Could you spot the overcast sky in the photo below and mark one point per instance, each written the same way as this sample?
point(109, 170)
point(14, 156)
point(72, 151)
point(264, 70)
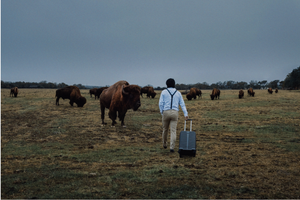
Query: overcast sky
point(99, 42)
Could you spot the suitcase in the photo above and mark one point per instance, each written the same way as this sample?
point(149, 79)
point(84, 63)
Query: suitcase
point(187, 142)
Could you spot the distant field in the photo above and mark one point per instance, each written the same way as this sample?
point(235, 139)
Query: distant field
point(246, 148)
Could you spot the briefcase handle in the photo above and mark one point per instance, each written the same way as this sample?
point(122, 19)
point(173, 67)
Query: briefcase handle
point(190, 124)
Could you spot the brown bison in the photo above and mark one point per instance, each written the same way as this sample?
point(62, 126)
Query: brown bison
point(215, 94)
point(99, 91)
point(270, 91)
point(250, 92)
point(241, 94)
point(192, 94)
point(72, 93)
point(93, 92)
point(198, 93)
point(14, 92)
point(149, 91)
point(276, 90)
point(119, 98)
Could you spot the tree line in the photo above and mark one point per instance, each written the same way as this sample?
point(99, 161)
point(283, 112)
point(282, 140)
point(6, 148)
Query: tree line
point(292, 81)
point(42, 84)
point(233, 85)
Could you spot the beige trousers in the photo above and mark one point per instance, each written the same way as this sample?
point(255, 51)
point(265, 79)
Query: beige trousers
point(169, 118)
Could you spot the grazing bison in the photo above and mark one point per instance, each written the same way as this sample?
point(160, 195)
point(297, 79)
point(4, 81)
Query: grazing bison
point(270, 90)
point(14, 92)
point(99, 91)
point(119, 98)
point(250, 92)
point(72, 93)
point(93, 91)
point(192, 94)
point(276, 90)
point(215, 94)
point(198, 93)
point(149, 91)
point(241, 94)
point(189, 96)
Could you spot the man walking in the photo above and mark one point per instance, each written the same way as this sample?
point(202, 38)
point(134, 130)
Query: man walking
point(169, 102)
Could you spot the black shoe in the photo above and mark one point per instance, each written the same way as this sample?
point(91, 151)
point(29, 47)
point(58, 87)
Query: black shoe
point(172, 150)
point(165, 147)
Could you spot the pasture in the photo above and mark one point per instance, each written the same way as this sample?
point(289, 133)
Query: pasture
point(246, 148)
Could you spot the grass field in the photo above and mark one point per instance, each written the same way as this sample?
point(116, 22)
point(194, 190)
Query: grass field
point(246, 148)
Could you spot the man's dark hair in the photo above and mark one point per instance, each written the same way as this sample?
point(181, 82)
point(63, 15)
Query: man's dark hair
point(170, 83)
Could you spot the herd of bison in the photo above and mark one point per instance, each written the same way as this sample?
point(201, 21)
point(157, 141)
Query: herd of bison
point(122, 96)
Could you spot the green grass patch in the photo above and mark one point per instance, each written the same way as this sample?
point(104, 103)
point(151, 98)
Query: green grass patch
point(45, 182)
point(25, 149)
point(283, 136)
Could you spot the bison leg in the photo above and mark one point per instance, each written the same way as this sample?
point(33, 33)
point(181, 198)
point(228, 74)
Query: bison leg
point(112, 115)
point(71, 103)
point(57, 101)
point(122, 117)
point(102, 113)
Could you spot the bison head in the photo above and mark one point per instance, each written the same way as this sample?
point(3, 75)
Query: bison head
point(189, 96)
point(212, 97)
point(131, 95)
point(153, 95)
point(80, 101)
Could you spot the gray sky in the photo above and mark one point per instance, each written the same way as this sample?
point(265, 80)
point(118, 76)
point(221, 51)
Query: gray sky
point(99, 42)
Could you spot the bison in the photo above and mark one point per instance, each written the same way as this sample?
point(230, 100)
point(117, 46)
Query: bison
point(99, 91)
point(250, 92)
point(149, 91)
point(72, 93)
point(14, 92)
point(198, 93)
point(93, 92)
point(241, 94)
point(192, 94)
point(215, 94)
point(276, 90)
point(270, 91)
point(119, 98)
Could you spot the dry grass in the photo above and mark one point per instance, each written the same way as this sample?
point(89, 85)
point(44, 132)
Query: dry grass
point(246, 148)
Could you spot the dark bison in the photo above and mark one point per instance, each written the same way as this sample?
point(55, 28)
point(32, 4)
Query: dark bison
point(192, 94)
point(14, 92)
point(149, 91)
point(276, 90)
point(241, 94)
point(119, 98)
point(72, 93)
point(250, 92)
point(215, 94)
point(270, 90)
point(93, 92)
point(99, 91)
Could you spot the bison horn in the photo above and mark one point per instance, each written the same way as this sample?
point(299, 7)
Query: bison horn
point(123, 91)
